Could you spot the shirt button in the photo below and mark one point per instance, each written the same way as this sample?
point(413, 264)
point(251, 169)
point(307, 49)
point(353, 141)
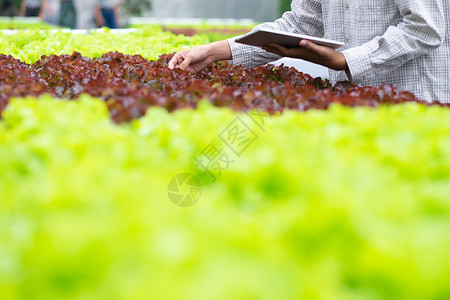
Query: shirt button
point(347, 38)
point(347, 6)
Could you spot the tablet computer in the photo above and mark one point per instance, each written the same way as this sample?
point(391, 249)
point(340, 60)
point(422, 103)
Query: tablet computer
point(263, 37)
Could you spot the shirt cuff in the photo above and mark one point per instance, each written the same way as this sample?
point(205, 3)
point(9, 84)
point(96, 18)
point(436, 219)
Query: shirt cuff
point(237, 57)
point(359, 63)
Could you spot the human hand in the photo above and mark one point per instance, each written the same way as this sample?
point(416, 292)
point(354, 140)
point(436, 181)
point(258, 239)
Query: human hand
point(311, 52)
point(192, 60)
point(196, 59)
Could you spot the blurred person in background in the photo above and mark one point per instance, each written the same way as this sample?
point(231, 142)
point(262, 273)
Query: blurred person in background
point(86, 14)
point(33, 8)
point(51, 12)
point(7, 8)
point(67, 14)
point(107, 13)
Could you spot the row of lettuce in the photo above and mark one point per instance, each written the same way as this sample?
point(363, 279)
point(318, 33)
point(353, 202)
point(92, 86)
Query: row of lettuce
point(349, 203)
point(211, 32)
point(150, 42)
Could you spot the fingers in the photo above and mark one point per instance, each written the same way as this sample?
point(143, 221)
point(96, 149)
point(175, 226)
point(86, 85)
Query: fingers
point(306, 50)
point(311, 52)
point(185, 63)
point(191, 69)
point(191, 60)
point(307, 45)
point(172, 63)
point(283, 51)
point(276, 49)
point(182, 62)
point(176, 60)
point(304, 44)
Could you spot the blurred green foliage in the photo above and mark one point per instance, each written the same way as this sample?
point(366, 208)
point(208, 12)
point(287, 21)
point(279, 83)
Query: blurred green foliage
point(17, 23)
point(284, 6)
point(15, 4)
point(339, 204)
point(150, 42)
point(136, 7)
point(212, 32)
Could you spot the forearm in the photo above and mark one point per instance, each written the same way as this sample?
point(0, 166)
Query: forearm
point(117, 12)
point(196, 59)
point(43, 9)
point(249, 56)
point(98, 15)
point(23, 8)
point(220, 50)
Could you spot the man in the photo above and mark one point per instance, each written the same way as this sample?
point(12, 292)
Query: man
point(7, 8)
point(33, 8)
point(67, 14)
point(401, 42)
point(107, 13)
point(51, 12)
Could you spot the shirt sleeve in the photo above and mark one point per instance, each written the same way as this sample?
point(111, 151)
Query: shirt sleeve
point(305, 17)
point(421, 31)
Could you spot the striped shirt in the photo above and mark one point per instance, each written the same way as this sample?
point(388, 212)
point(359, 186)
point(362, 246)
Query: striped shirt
point(400, 42)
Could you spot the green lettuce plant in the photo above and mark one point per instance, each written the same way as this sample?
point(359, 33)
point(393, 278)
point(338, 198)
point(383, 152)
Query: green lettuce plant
point(150, 42)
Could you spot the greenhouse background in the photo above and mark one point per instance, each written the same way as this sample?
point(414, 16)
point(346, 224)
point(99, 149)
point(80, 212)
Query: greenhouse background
point(248, 11)
point(258, 10)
